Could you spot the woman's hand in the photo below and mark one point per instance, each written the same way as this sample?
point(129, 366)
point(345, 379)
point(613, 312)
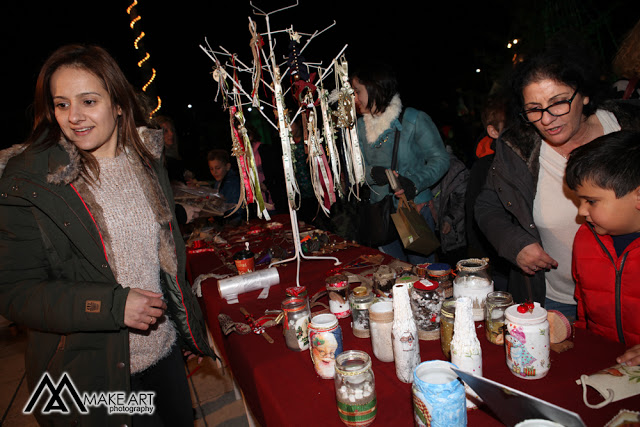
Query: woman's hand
point(143, 308)
point(533, 258)
point(189, 355)
point(631, 357)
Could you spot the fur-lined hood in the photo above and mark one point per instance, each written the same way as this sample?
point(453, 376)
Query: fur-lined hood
point(64, 166)
point(69, 171)
point(525, 141)
point(376, 125)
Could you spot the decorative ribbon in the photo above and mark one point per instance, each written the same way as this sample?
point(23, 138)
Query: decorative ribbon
point(330, 141)
point(256, 46)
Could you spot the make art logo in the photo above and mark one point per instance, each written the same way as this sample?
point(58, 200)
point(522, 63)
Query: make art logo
point(59, 394)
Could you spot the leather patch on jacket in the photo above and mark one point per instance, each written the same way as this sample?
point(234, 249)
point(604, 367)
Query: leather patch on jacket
point(92, 306)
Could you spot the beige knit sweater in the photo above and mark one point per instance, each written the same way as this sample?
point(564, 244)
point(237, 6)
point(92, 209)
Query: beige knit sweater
point(134, 240)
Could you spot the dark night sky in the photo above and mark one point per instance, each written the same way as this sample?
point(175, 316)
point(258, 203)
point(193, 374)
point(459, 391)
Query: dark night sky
point(436, 49)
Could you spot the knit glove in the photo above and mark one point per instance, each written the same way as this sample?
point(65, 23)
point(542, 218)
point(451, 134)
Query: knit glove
point(408, 186)
point(379, 176)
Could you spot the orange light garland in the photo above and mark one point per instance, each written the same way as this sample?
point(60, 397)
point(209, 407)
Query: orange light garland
point(135, 18)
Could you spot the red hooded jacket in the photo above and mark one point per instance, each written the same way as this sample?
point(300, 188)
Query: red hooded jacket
point(607, 286)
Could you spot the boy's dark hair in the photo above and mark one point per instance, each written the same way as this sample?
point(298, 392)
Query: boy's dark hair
point(611, 162)
point(494, 111)
point(381, 83)
point(217, 154)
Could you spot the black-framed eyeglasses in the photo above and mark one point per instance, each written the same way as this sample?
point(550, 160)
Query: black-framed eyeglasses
point(556, 109)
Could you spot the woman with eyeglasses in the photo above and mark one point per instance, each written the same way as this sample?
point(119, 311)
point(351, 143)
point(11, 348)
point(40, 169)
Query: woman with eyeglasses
point(525, 208)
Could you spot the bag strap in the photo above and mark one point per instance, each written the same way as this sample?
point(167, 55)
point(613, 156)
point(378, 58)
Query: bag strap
point(396, 143)
point(631, 86)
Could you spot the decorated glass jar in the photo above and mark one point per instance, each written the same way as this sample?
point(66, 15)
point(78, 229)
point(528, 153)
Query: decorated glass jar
point(380, 324)
point(527, 341)
point(441, 273)
point(338, 290)
point(438, 395)
point(494, 308)
point(325, 343)
point(426, 301)
point(383, 279)
point(355, 388)
point(296, 320)
point(473, 281)
point(361, 299)
point(447, 318)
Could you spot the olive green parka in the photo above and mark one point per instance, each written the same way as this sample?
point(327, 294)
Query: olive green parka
point(55, 277)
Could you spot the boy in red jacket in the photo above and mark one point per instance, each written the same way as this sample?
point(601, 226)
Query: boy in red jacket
point(605, 174)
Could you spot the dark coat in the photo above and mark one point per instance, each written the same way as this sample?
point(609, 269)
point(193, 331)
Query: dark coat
point(504, 208)
point(56, 279)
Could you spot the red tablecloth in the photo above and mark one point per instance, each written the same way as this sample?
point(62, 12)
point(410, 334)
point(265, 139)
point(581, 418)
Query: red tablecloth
point(282, 388)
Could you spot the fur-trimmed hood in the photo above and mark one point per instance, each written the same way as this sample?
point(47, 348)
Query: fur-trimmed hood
point(64, 167)
point(525, 141)
point(69, 171)
point(376, 125)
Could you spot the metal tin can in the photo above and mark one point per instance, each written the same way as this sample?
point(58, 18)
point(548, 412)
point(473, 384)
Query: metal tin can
point(296, 322)
point(494, 308)
point(527, 342)
point(438, 395)
point(338, 290)
point(361, 299)
point(426, 301)
point(325, 341)
point(355, 388)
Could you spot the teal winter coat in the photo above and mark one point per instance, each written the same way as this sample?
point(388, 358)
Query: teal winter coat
point(422, 157)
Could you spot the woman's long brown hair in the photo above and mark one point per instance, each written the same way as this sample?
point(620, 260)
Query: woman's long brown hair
point(46, 132)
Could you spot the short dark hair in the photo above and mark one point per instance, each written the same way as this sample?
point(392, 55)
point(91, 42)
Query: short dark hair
point(570, 64)
point(493, 112)
point(381, 83)
point(218, 154)
point(611, 162)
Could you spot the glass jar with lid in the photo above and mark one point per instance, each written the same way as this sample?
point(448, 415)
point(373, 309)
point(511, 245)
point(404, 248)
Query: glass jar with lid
point(447, 318)
point(473, 281)
point(295, 323)
point(355, 388)
point(527, 341)
point(426, 301)
point(361, 299)
point(441, 273)
point(494, 308)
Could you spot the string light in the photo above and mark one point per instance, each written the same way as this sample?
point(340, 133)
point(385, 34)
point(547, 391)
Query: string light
point(135, 43)
point(153, 77)
point(135, 18)
point(143, 60)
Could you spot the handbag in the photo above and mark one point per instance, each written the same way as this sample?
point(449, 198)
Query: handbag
point(376, 226)
point(414, 232)
point(615, 383)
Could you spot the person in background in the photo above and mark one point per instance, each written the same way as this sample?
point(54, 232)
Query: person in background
point(173, 161)
point(447, 208)
point(91, 256)
point(493, 118)
point(525, 209)
point(422, 158)
point(626, 65)
point(605, 175)
point(225, 179)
